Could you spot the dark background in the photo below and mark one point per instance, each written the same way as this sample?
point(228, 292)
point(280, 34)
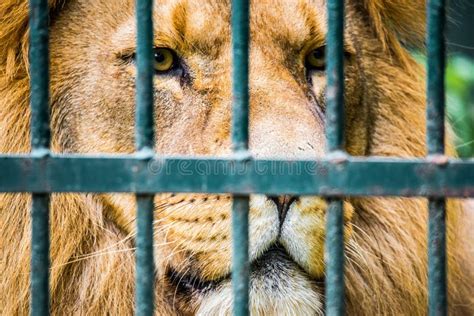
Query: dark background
point(461, 27)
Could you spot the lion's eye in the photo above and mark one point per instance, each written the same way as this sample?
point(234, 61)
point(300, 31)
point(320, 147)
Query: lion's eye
point(316, 59)
point(165, 59)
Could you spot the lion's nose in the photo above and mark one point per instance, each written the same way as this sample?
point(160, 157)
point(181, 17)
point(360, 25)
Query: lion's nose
point(283, 204)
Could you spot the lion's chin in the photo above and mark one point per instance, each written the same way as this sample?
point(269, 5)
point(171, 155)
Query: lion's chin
point(278, 286)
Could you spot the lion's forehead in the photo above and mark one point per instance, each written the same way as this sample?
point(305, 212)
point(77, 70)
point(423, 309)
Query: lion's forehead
point(199, 26)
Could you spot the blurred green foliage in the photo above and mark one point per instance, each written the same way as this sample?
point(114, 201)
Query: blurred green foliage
point(460, 98)
point(460, 101)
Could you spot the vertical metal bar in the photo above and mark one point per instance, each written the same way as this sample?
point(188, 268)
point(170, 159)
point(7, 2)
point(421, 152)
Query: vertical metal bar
point(39, 71)
point(334, 248)
point(437, 258)
point(40, 255)
point(40, 140)
point(240, 206)
point(335, 258)
point(435, 142)
point(436, 76)
point(240, 256)
point(145, 268)
point(335, 76)
point(240, 45)
point(145, 72)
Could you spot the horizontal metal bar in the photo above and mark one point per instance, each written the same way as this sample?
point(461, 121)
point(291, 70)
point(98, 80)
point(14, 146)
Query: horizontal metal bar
point(332, 178)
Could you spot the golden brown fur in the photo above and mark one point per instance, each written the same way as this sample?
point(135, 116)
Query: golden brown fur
point(92, 111)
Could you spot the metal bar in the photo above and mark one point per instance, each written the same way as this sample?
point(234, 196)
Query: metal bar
point(357, 176)
point(40, 140)
point(240, 256)
point(334, 259)
point(40, 255)
point(335, 76)
point(437, 257)
point(145, 269)
point(39, 75)
point(436, 49)
point(334, 247)
point(240, 139)
point(240, 81)
point(145, 73)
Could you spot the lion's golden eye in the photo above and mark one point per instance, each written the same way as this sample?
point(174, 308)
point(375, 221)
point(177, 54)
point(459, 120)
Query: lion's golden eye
point(316, 59)
point(164, 59)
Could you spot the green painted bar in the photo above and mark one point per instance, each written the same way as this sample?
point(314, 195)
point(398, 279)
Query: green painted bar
point(145, 73)
point(39, 75)
point(436, 50)
point(40, 255)
point(40, 140)
point(334, 260)
point(240, 73)
point(334, 247)
point(240, 139)
point(357, 176)
point(335, 76)
point(145, 268)
point(145, 271)
point(438, 303)
point(240, 256)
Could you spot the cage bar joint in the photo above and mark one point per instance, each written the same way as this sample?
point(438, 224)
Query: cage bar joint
point(145, 153)
point(41, 153)
point(337, 157)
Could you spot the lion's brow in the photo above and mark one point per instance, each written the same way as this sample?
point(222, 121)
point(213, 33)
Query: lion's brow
point(193, 26)
point(204, 26)
point(293, 24)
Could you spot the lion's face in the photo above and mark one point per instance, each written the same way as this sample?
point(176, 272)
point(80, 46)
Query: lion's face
point(93, 75)
point(93, 101)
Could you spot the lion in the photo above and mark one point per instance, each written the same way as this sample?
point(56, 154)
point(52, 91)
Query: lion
point(93, 72)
